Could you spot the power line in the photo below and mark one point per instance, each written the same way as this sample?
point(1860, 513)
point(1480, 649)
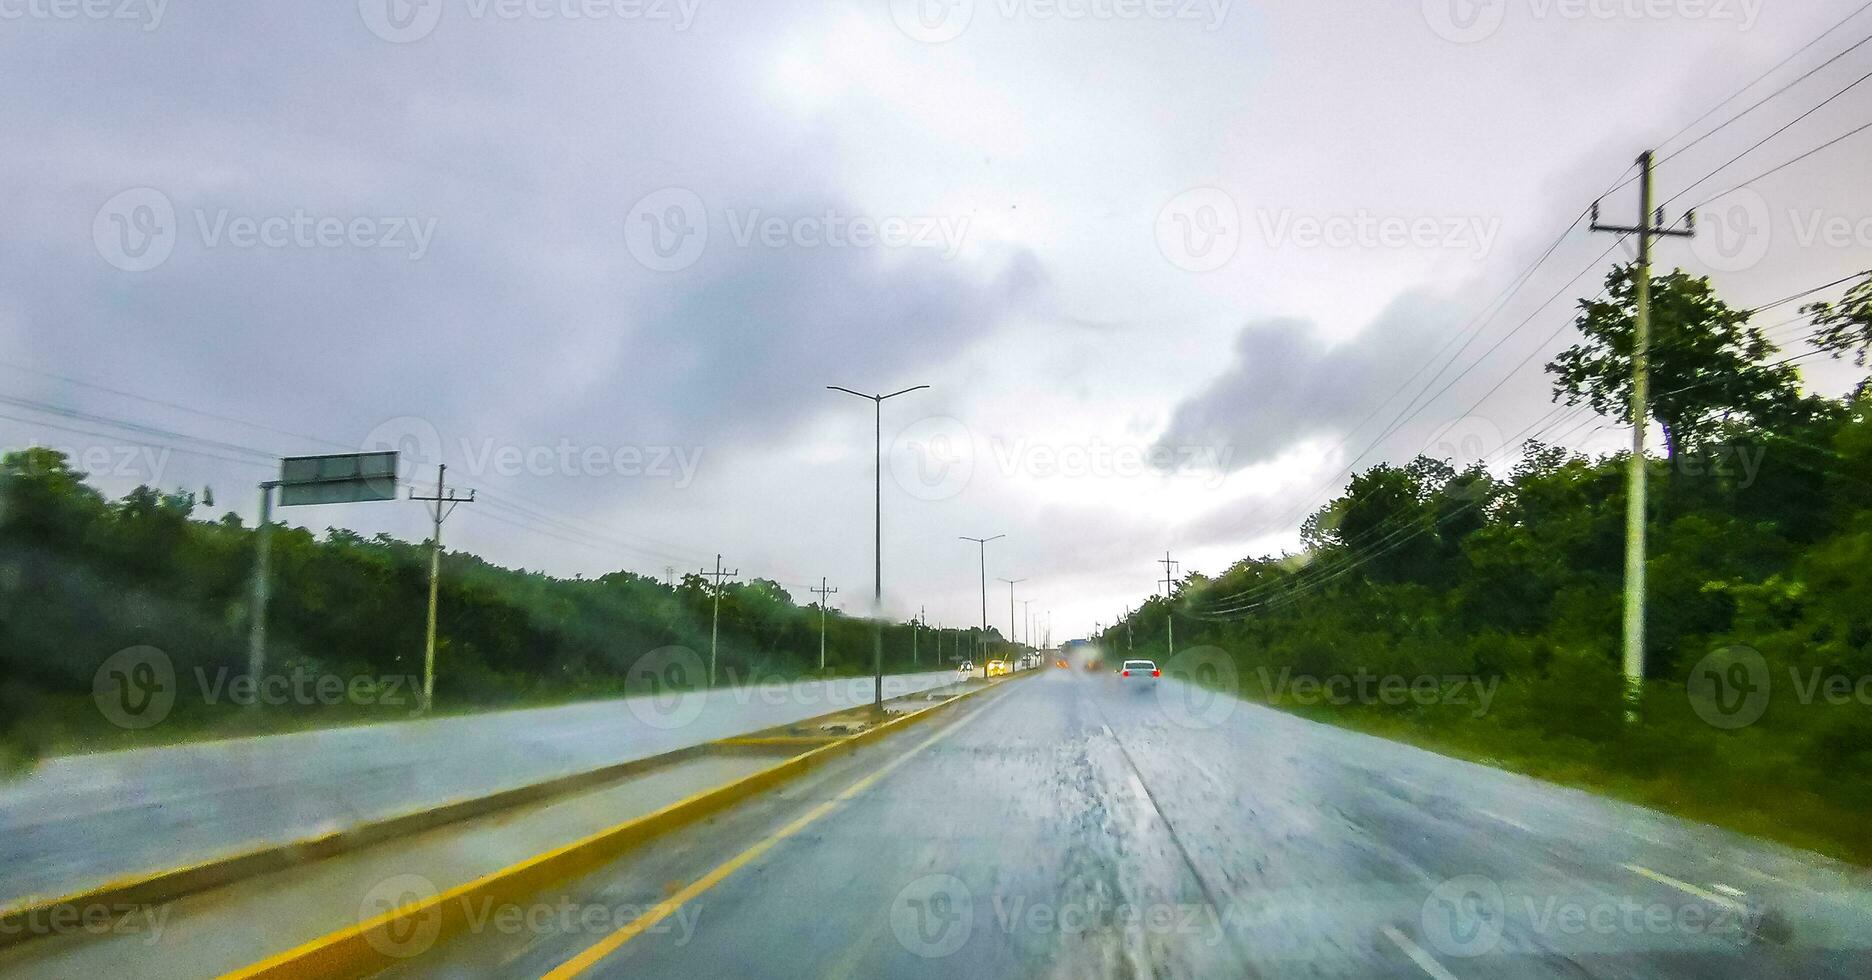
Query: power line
point(1765, 100)
point(1783, 166)
point(1760, 142)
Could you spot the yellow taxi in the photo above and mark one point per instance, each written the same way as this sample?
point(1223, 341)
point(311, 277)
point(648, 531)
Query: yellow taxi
point(998, 668)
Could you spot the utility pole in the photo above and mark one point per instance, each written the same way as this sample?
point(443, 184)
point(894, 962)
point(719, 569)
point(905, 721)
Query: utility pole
point(669, 576)
point(263, 549)
point(1650, 225)
point(877, 538)
point(1013, 635)
point(715, 623)
point(981, 545)
point(1027, 620)
point(823, 593)
point(443, 495)
point(914, 624)
point(1169, 605)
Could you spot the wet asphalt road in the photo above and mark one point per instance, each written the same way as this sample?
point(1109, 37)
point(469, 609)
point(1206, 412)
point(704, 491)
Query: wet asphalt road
point(1080, 825)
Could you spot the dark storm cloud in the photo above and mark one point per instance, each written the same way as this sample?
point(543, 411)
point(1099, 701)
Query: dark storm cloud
point(746, 343)
point(1285, 385)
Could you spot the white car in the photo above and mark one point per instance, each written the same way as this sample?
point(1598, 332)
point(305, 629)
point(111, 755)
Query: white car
point(1140, 669)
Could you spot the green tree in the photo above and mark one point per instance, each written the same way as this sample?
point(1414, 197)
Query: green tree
point(1707, 363)
point(1845, 327)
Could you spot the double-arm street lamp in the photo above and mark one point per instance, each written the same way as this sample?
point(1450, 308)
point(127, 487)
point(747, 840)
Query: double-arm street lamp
point(982, 546)
point(877, 595)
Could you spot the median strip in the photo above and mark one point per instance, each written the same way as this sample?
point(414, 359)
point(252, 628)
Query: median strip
point(373, 944)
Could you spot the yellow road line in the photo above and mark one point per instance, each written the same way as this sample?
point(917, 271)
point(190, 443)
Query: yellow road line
point(612, 943)
point(1684, 886)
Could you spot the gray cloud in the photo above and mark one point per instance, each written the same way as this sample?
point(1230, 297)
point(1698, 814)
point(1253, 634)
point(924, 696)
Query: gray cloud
point(1286, 385)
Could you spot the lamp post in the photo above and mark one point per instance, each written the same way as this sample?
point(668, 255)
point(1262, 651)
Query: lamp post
point(877, 538)
point(982, 546)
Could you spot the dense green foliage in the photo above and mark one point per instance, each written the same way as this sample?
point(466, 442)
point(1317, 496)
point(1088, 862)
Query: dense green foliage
point(82, 577)
point(1760, 535)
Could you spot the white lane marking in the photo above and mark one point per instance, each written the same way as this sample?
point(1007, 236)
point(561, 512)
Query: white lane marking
point(1684, 886)
point(1143, 794)
point(1729, 890)
point(1510, 821)
point(1107, 730)
point(1765, 876)
point(1424, 960)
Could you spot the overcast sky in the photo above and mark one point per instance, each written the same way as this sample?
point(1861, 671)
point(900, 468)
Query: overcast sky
point(1162, 265)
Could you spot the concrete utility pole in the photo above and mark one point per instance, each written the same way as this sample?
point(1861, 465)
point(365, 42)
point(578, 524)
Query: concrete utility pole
point(823, 593)
point(982, 547)
point(669, 576)
point(1027, 621)
point(1650, 225)
point(443, 495)
point(1169, 604)
point(263, 549)
point(914, 624)
point(715, 624)
point(1013, 634)
point(877, 538)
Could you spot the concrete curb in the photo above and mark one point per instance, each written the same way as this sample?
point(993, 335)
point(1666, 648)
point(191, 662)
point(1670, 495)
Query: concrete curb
point(24, 923)
point(375, 944)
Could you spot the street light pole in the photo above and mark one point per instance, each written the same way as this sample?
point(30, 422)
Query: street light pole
point(877, 537)
point(982, 546)
point(1013, 635)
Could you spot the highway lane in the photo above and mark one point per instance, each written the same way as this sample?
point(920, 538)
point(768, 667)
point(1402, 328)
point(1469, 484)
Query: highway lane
point(78, 821)
point(1078, 825)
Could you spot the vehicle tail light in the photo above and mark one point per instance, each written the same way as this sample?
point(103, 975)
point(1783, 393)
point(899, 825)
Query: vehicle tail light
point(1127, 673)
point(1156, 673)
